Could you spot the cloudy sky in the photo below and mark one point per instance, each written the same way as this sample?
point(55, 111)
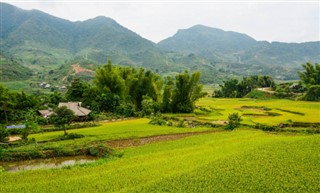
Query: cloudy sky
point(286, 21)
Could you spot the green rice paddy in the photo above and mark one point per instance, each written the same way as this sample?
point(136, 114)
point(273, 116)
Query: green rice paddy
point(243, 160)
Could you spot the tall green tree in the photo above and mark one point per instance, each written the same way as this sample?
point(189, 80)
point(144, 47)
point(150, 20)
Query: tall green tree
point(76, 90)
point(166, 105)
point(310, 75)
point(187, 91)
point(108, 79)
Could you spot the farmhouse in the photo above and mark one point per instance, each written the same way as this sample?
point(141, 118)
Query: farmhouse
point(76, 108)
point(78, 111)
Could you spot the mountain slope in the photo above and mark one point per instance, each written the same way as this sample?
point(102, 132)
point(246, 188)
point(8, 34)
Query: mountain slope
point(233, 47)
point(41, 39)
point(11, 70)
point(43, 43)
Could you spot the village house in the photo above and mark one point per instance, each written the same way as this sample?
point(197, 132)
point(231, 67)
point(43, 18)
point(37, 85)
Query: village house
point(80, 112)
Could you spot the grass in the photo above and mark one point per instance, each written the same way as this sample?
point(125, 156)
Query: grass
point(237, 161)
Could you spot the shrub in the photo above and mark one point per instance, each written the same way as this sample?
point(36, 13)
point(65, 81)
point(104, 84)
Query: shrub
point(3, 134)
point(313, 93)
point(234, 121)
point(265, 127)
point(157, 120)
point(69, 136)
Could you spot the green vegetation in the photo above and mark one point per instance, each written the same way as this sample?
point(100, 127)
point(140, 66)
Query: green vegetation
point(62, 116)
point(196, 145)
point(311, 79)
point(234, 89)
point(11, 70)
point(217, 54)
point(202, 163)
point(255, 111)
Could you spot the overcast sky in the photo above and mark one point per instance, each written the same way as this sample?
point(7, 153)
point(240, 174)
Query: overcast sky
point(281, 21)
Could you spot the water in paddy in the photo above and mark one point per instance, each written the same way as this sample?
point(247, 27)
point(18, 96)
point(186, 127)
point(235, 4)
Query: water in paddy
point(58, 162)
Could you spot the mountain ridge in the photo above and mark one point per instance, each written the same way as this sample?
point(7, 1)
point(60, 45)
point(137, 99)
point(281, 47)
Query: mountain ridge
point(41, 41)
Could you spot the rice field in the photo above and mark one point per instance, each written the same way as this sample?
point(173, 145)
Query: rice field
point(237, 161)
point(243, 160)
point(269, 112)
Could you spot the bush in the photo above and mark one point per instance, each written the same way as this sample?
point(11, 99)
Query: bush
point(265, 127)
point(157, 120)
point(313, 93)
point(234, 121)
point(69, 136)
point(3, 134)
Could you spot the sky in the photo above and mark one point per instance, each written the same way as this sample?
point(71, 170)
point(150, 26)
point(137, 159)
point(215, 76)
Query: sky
point(285, 21)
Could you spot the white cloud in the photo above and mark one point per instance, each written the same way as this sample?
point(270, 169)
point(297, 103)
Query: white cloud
point(286, 21)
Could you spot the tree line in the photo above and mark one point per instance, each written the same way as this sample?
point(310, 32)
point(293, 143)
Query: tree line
point(308, 88)
point(123, 91)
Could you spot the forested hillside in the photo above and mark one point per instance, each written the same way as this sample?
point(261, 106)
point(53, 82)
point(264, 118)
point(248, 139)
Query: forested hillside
point(43, 42)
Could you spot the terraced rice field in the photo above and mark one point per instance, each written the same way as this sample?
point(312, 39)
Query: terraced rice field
point(237, 161)
point(270, 112)
point(202, 159)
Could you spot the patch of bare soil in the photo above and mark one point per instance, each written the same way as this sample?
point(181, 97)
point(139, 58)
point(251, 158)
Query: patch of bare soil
point(124, 143)
point(77, 69)
point(14, 138)
point(220, 122)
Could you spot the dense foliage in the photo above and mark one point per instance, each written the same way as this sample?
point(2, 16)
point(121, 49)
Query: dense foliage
point(234, 89)
point(118, 90)
point(310, 77)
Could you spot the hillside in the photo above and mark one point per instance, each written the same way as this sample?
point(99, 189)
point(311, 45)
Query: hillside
point(44, 43)
point(11, 70)
point(234, 47)
point(39, 39)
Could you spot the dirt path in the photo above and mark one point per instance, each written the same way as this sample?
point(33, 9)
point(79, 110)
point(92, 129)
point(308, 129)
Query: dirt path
point(124, 143)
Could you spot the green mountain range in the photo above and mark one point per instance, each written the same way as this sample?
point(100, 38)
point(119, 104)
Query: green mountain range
point(42, 42)
point(233, 47)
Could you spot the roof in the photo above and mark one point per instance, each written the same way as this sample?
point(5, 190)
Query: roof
point(45, 113)
point(76, 108)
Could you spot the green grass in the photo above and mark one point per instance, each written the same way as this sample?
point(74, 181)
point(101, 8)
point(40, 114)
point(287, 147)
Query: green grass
point(237, 161)
point(297, 111)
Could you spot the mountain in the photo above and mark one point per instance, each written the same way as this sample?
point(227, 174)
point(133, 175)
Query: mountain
point(49, 45)
point(39, 39)
point(233, 47)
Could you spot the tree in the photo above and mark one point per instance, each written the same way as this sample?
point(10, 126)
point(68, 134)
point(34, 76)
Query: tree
point(62, 116)
point(5, 102)
point(310, 75)
point(76, 90)
point(31, 123)
point(166, 105)
point(187, 91)
point(108, 79)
